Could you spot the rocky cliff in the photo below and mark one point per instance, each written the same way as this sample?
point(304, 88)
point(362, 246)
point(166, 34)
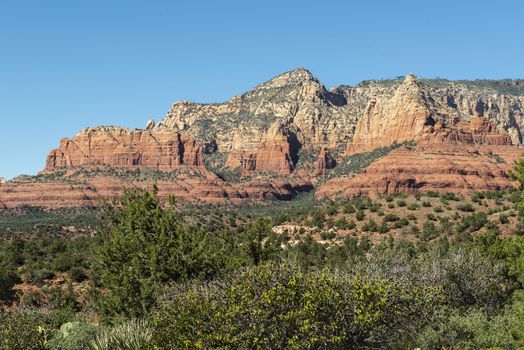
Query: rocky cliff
point(160, 150)
point(291, 131)
point(430, 167)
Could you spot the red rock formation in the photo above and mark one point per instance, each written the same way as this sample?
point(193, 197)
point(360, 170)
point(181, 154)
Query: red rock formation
point(159, 150)
point(73, 191)
point(270, 156)
point(476, 130)
point(275, 153)
point(404, 117)
point(325, 163)
point(430, 167)
point(410, 116)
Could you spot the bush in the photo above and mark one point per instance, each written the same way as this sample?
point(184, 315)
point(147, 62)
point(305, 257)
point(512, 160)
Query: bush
point(360, 215)
point(327, 235)
point(429, 231)
point(391, 217)
point(370, 226)
point(349, 209)
point(144, 246)
point(130, 335)
point(8, 279)
point(503, 219)
point(22, 331)
point(76, 335)
point(449, 196)
point(401, 223)
point(473, 222)
point(77, 274)
point(465, 207)
point(413, 206)
point(276, 307)
point(474, 329)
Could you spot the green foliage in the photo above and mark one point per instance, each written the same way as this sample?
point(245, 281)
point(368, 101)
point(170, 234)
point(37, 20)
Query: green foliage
point(275, 307)
point(30, 329)
point(23, 331)
point(261, 244)
point(473, 222)
point(357, 162)
point(517, 173)
point(143, 246)
point(75, 335)
point(449, 196)
point(8, 278)
point(130, 335)
point(466, 207)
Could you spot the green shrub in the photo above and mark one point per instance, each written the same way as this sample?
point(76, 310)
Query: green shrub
point(327, 235)
point(438, 209)
point(8, 279)
point(413, 206)
point(429, 231)
point(275, 307)
point(503, 219)
point(23, 331)
point(76, 335)
point(370, 226)
point(349, 209)
point(401, 223)
point(130, 335)
point(465, 207)
point(143, 246)
point(391, 217)
point(78, 274)
point(473, 329)
point(449, 196)
point(473, 222)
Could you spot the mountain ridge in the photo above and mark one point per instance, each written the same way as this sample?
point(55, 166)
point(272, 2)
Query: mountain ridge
point(289, 132)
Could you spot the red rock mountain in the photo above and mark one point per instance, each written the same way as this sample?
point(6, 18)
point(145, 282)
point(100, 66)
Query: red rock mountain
point(158, 150)
point(291, 132)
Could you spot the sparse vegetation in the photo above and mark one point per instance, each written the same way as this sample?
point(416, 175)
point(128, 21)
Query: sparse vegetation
point(284, 276)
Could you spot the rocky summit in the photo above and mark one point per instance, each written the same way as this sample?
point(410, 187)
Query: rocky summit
point(290, 135)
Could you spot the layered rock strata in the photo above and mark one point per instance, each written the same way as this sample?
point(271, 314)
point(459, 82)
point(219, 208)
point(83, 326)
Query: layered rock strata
point(158, 150)
point(466, 133)
point(430, 167)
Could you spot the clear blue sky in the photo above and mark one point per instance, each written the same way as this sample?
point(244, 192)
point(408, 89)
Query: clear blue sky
point(66, 65)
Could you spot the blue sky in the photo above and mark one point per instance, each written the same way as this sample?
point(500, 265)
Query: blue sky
point(66, 65)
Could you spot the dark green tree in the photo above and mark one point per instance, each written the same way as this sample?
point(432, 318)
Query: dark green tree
point(143, 247)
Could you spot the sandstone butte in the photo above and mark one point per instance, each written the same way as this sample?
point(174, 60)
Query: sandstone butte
point(291, 135)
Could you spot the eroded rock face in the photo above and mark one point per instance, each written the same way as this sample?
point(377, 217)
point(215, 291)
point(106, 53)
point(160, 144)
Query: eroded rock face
point(57, 193)
point(158, 150)
point(325, 162)
point(322, 117)
point(430, 167)
point(277, 152)
point(476, 130)
point(259, 134)
point(403, 117)
point(412, 114)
